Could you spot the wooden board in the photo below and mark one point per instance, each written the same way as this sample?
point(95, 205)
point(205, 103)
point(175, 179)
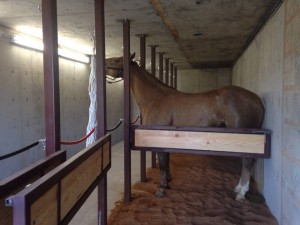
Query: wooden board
point(77, 182)
point(106, 154)
point(210, 140)
point(44, 206)
point(57, 196)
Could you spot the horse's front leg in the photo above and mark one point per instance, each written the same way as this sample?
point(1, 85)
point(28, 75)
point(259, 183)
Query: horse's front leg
point(165, 175)
point(244, 181)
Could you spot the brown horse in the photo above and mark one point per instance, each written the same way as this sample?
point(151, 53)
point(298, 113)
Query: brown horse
point(228, 106)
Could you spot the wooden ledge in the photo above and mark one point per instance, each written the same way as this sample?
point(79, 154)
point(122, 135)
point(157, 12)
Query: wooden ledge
point(209, 141)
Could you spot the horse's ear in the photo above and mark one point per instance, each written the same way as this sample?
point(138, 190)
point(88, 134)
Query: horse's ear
point(132, 56)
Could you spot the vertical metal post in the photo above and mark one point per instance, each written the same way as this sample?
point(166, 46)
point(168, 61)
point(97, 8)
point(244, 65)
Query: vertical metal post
point(142, 49)
point(101, 101)
point(175, 77)
point(100, 67)
point(51, 76)
point(167, 71)
point(153, 59)
point(143, 66)
point(171, 74)
point(153, 72)
point(127, 113)
point(161, 66)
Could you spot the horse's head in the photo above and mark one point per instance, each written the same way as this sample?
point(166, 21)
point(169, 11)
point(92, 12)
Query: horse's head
point(114, 66)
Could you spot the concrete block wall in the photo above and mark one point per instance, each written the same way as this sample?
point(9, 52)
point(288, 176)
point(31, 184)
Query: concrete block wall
point(271, 68)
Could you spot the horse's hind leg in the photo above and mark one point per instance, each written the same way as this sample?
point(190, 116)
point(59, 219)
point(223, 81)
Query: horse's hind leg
point(164, 174)
point(243, 185)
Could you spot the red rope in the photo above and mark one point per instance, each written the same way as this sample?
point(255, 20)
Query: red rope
point(136, 119)
point(78, 141)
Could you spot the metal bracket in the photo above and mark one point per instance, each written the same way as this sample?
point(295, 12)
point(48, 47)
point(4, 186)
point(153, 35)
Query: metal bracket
point(9, 201)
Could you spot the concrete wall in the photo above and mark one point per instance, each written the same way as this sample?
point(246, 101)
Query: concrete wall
point(291, 116)
point(194, 81)
point(271, 68)
point(22, 103)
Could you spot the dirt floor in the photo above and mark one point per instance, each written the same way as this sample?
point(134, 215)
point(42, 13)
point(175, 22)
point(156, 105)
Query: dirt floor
point(201, 193)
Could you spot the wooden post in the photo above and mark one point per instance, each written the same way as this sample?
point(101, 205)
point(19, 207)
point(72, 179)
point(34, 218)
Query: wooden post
point(101, 101)
point(127, 110)
point(51, 76)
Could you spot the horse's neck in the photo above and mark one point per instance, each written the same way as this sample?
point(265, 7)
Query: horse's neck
point(146, 89)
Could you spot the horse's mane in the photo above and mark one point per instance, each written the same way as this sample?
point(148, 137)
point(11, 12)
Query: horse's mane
point(151, 78)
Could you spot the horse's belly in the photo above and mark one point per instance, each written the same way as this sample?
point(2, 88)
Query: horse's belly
point(198, 123)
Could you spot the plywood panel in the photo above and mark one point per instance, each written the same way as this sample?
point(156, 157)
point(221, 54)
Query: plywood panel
point(74, 185)
point(229, 142)
point(44, 210)
point(106, 154)
point(6, 213)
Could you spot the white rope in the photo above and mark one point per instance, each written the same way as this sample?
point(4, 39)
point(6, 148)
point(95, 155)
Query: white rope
point(93, 104)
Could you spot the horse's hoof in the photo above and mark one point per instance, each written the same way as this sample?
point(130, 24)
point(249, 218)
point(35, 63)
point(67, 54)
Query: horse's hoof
point(160, 193)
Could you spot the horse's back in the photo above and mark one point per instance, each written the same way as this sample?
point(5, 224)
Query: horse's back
point(229, 106)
